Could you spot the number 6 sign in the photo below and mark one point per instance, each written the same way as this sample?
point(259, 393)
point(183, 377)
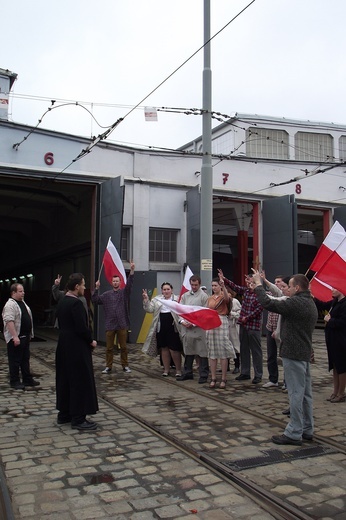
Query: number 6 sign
point(49, 158)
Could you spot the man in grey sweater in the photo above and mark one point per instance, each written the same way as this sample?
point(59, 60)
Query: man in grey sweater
point(299, 316)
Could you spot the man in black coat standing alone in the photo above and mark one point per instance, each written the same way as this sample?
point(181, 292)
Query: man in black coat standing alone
point(75, 385)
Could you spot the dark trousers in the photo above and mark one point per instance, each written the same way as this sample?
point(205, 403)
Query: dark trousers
point(250, 342)
point(19, 358)
point(272, 358)
point(203, 366)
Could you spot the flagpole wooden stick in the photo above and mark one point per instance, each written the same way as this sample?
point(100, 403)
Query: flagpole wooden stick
point(100, 270)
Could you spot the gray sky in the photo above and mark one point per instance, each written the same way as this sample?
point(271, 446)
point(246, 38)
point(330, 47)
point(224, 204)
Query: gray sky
point(283, 58)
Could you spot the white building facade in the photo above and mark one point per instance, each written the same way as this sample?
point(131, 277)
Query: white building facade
point(278, 185)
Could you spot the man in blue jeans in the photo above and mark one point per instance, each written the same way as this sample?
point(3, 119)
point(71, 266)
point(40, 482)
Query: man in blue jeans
point(299, 317)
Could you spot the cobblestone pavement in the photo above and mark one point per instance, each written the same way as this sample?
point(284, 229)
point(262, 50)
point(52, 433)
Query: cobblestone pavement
point(124, 471)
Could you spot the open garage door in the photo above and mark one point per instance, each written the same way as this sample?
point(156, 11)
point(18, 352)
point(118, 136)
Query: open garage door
point(280, 251)
point(45, 229)
point(110, 220)
point(340, 216)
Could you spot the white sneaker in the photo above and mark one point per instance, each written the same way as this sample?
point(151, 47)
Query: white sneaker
point(269, 384)
point(127, 370)
point(106, 370)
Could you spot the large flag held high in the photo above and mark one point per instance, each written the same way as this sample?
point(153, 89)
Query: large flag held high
point(186, 287)
point(113, 265)
point(330, 265)
point(330, 244)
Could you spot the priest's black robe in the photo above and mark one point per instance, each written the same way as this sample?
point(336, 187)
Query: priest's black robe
point(75, 384)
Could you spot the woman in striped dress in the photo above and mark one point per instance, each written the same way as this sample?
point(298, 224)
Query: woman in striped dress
point(218, 341)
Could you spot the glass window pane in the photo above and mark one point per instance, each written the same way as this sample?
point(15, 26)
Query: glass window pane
point(313, 147)
point(162, 245)
point(265, 143)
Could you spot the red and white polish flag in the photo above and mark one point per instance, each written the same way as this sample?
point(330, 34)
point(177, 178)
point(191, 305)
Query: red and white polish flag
point(200, 316)
point(330, 244)
point(320, 290)
point(333, 271)
point(113, 265)
point(186, 287)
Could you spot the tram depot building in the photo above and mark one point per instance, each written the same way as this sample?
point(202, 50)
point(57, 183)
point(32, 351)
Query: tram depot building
point(278, 186)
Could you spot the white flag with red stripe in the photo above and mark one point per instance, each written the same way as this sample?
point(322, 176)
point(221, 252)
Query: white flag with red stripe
point(320, 290)
point(333, 271)
point(186, 287)
point(113, 265)
point(330, 243)
point(200, 316)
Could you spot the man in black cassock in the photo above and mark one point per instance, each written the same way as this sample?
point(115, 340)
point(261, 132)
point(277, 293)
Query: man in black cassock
point(75, 384)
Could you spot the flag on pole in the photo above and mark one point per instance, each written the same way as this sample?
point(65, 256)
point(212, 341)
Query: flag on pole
point(200, 316)
point(113, 265)
point(330, 243)
point(186, 283)
point(320, 290)
point(333, 271)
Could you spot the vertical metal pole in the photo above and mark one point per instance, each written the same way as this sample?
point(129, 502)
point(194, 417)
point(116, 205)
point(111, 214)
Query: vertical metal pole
point(206, 231)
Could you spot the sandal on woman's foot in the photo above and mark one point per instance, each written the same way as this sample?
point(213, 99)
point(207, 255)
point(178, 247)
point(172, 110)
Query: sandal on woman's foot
point(212, 383)
point(223, 384)
point(165, 374)
point(338, 399)
point(178, 374)
point(331, 397)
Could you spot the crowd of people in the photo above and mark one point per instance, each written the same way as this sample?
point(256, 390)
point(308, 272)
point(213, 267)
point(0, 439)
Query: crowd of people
point(291, 319)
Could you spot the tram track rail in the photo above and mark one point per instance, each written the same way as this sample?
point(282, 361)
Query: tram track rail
point(270, 420)
point(274, 505)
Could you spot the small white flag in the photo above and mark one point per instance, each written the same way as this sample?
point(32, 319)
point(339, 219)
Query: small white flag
point(150, 114)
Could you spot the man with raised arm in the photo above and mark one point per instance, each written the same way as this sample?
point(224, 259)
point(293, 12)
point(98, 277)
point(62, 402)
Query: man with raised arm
point(299, 317)
point(116, 307)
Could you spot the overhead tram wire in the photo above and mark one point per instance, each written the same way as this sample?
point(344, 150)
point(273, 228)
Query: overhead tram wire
point(52, 107)
point(105, 134)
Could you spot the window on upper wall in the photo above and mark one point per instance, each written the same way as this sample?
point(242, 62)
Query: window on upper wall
point(342, 148)
point(266, 143)
point(223, 144)
point(163, 245)
point(313, 147)
point(125, 244)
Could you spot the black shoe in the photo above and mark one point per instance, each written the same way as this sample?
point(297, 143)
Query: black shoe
point(18, 386)
point(307, 437)
point(33, 383)
point(236, 370)
point(286, 412)
point(283, 439)
point(185, 377)
point(242, 377)
point(84, 426)
point(256, 380)
point(202, 380)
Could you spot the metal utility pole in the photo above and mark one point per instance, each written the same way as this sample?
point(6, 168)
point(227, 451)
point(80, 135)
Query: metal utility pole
point(206, 220)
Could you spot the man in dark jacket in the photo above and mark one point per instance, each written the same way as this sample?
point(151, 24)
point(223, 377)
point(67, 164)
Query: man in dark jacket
point(75, 385)
point(299, 316)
